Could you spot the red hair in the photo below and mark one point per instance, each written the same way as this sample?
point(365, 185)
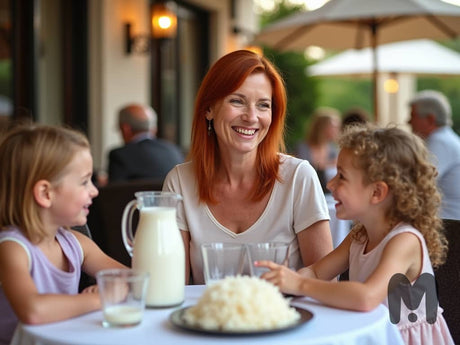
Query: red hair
point(224, 77)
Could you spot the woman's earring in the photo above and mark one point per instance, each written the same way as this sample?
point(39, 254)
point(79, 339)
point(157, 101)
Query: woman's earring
point(209, 127)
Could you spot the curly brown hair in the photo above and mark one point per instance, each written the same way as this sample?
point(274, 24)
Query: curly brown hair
point(401, 160)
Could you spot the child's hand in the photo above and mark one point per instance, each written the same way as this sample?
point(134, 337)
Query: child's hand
point(287, 280)
point(91, 289)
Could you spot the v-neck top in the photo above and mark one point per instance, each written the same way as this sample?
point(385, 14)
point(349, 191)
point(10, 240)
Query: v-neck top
point(295, 203)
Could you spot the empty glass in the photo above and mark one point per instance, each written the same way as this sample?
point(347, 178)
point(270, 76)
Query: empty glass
point(221, 260)
point(278, 252)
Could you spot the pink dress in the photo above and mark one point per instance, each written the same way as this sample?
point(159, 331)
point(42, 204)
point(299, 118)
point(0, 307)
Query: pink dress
point(413, 332)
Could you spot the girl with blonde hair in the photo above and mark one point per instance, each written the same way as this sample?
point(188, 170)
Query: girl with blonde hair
point(319, 147)
point(45, 188)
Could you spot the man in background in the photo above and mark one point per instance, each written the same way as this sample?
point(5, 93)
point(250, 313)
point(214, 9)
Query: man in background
point(431, 119)
point(143, 156)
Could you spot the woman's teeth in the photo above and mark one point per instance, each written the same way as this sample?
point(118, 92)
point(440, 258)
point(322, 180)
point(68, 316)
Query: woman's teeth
point(245, 131)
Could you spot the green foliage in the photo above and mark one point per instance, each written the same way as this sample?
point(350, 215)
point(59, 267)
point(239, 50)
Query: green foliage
point(345, 93)
point(5, 77)
point(282, 9)
point(301, 91)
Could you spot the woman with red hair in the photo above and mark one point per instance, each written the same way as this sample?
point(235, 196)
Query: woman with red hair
point(238, 185)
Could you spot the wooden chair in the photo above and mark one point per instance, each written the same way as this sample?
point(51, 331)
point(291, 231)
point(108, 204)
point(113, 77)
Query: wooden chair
point(106, 212)
point(448, 279)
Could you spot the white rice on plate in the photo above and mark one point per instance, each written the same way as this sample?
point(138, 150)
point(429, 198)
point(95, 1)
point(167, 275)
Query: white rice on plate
point(241, 303)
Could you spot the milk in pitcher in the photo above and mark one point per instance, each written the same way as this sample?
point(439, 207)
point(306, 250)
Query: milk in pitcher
point(159, 250)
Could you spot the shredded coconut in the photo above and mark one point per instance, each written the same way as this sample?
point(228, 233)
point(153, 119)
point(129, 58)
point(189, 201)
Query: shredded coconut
point(241, 303)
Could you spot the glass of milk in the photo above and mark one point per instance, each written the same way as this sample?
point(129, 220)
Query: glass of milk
point(122, 293)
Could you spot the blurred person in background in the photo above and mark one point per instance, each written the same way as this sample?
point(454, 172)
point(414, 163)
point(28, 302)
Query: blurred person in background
point(431, 119)
point(319, 146)
point(144, 156)
point(355, 116)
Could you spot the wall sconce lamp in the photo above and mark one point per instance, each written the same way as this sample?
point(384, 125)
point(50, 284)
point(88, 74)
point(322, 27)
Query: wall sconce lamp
point(136, 43)
point(164, 26)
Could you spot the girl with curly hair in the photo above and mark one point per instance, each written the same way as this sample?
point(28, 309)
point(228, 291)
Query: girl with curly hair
point(386, 184)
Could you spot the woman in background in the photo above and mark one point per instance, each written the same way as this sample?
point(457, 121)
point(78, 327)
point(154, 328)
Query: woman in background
point(319, 146)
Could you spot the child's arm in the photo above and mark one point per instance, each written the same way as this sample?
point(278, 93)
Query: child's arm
point(335, 264)
point(30, 306)
point(94, 258)
point(327, 268)
point(402, 254)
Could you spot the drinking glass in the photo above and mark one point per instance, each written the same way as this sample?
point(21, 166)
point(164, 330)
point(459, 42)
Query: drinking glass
point(221, 260)
point(278, 252)
point(122, 293)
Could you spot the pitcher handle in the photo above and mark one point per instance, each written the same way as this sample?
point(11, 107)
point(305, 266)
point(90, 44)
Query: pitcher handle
point(126, 226)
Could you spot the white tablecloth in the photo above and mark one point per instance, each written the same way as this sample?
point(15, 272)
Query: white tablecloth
point(328, 326)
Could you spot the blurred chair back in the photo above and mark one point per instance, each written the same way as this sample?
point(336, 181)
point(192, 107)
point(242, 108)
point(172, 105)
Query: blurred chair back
point(85, 280)
point(448, 279)
point(106, 212)
point(84, 229)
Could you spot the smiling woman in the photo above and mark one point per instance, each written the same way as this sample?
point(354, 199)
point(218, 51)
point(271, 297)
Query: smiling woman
point(237, 185)
point(241, 120)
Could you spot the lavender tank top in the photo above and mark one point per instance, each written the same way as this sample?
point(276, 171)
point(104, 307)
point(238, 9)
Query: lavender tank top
point(47, 277)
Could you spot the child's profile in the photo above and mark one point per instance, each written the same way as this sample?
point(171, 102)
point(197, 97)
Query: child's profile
point(386, 184)
point(45, 188)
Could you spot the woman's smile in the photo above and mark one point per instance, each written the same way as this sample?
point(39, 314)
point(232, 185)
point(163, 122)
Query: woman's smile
point(242, 119)
point(245, 131)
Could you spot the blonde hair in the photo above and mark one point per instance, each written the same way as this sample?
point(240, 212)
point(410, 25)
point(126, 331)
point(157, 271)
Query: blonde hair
point(322, 118)
point(400, 159)
point(30, 154)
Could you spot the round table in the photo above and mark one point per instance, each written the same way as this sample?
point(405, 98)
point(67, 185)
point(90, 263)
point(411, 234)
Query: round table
point(328, 326)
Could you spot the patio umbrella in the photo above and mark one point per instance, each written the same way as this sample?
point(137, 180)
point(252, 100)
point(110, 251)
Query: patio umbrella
point(431, 59)
point(342, 24)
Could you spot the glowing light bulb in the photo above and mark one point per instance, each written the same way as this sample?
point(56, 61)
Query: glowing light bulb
point(164, 22)
point(391, 85)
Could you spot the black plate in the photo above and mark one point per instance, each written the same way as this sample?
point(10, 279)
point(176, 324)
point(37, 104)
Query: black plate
point(177, 320)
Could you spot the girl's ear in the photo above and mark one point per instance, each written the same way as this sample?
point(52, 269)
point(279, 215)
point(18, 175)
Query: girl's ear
point(42, 193)
point(381, 191)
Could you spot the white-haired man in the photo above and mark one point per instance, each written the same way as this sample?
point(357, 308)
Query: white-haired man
point(144, 156)
point(431, 119)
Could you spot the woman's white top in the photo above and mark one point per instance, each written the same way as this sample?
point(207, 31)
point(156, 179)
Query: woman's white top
point(295, 203)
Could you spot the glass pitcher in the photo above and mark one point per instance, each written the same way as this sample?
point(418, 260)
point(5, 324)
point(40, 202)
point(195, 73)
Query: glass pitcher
point(157, 246)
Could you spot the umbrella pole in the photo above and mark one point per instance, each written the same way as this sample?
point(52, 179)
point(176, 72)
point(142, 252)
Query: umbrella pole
point(375, 70)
